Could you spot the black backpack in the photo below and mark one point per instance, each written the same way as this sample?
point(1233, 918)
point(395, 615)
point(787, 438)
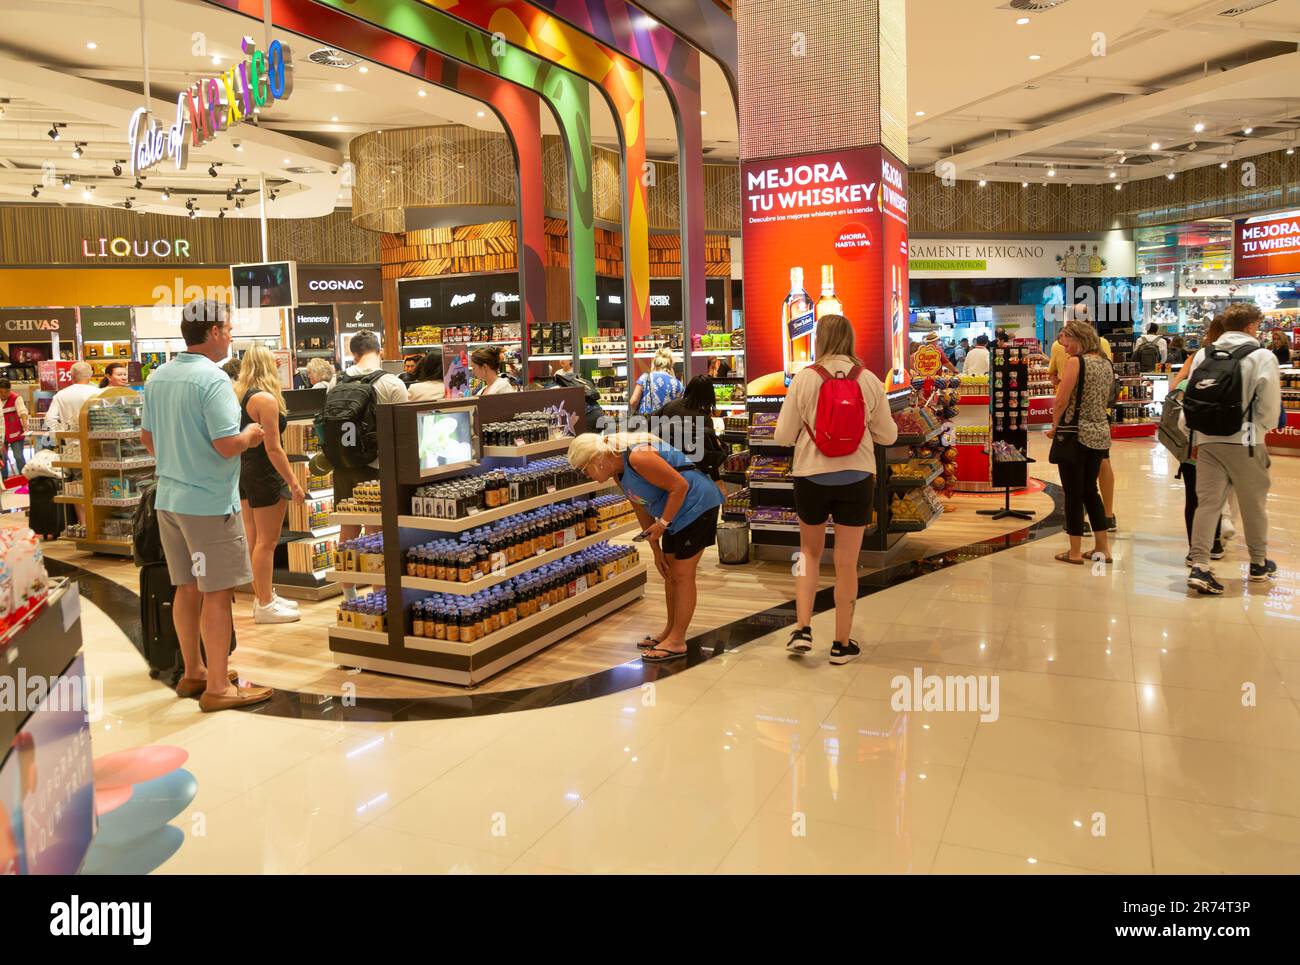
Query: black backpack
point(1212, 403)
point(1147, 356)
point(146, 541)
point(350, 437)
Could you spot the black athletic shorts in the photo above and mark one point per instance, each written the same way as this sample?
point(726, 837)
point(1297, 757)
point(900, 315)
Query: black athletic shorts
point(849, 504)
point(695, 536)
point(262, 491)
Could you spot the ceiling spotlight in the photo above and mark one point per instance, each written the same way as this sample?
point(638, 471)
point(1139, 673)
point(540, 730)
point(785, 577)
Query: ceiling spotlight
point(221, 213)
point(1021, 21)
point(1193, 146)
point(53, 132)
point(287, 162)
point(78, 149)
point(1224, 165)
point(127, 204)
point(1024, 184)
point(334, 119)
point(67, 182)
point(1114, 173)
point(36, 190)
point(216, 59)
point(363, 69)
point(189, 204)
point(920, 113)
point(1170, 176)
point(1155, 145)
point(239, 204)
point(983, 183)
point(481, 114)
point(138, 184)
point(117, 169)
point(422, 92)
point(1123, 158)
point(85, 193)
point(1290, 151)
point(230, 196)
point(1198, 127)
point(1035, 57)
point(1119, 187)
point(273, 194)
point(1247, 130)
point(91, 45)
point(212, 170)
point(1051, 172)
point(166, 194)
point(2, 107)
point(238, 146)
point(193, 214)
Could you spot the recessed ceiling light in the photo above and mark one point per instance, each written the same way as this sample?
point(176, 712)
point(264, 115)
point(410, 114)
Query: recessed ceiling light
point(481, 114)
point(287, 161)
point(1155, 145)
point(1024, 184)
point(334, 119)
point(1020, 22)
point(91, 45)
point(1035, 57)
point(1198, 127)
point(1247, 130)
point(983, 183)
point(216, 59)
point(363, 69)
point(920, 113)
point(1170, 176)
point(422, 92)
point(703, 112)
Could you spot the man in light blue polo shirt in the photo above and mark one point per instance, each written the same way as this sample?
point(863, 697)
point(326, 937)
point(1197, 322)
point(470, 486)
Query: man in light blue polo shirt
point(191, 426)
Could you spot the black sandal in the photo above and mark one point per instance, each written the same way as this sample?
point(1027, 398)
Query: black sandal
point(647, 656)
point(800, 641)
point(647, 643)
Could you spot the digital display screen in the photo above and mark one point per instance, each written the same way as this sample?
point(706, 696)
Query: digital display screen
point(943, 316)
point(984, 313)
point(264, 286)
point(965, 316)
point(446, 439)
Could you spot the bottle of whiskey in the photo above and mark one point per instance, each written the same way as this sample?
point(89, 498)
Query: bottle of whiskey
point(828, 304)
point(798, 327)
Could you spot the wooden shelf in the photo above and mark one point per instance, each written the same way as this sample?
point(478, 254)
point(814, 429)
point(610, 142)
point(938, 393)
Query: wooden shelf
point(123, 503)
point(496, 639)
point(114, 434)
point(355, 519)
point(117, 547)
point(144, 462)
point(354, 576)
point(71, 500)
point(69, 465)
point(490, 515)
point(541, 559)
point(362, 636)
point(531, 449)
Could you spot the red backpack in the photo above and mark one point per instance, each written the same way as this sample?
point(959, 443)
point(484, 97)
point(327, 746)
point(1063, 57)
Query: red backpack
point(841, 413)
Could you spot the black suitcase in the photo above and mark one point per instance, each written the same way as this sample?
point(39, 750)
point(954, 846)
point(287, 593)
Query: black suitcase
point(44, 515)
point(158, 643)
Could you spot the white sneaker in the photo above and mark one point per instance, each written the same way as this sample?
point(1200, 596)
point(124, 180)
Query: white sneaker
point(274, 613)
point(277, 599)
point(1226, 529)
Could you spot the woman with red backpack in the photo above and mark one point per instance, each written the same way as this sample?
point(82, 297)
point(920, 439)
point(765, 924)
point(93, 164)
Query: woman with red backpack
point(15, 428)
point(834, 415)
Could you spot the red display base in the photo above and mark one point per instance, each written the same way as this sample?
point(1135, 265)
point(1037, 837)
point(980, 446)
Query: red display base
point(1133, 431)
point(973, 400)
point(1286, 441)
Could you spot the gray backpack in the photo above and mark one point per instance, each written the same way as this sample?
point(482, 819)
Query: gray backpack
point(1170, 432)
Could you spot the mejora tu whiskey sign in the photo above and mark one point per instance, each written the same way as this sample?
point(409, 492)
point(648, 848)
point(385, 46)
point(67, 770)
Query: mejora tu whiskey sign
point(211, 105)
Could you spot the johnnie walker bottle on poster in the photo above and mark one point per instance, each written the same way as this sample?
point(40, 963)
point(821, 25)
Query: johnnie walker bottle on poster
point(798, 327)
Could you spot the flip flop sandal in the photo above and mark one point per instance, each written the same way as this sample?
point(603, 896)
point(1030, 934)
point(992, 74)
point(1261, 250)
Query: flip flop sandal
point(1108, 558)
point(1065, 558)
point(647, 643)
point(648, 656)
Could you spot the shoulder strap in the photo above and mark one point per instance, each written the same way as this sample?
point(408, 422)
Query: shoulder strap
point(1078, 393)
point(820, 370)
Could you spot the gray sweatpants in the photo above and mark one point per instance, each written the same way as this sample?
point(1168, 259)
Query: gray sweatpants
point(1222, 466)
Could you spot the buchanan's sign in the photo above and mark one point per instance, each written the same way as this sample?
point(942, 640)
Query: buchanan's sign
point(212, 105)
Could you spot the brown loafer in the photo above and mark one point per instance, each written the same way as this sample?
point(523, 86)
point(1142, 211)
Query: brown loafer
point(242, 697)
point(194, 686)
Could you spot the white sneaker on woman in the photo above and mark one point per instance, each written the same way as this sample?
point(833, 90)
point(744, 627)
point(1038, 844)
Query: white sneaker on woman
point(273, 612)
point(286, 603)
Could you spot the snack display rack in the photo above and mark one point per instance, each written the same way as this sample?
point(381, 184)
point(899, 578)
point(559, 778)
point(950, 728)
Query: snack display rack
point(114, 467)
point(1009, 401)
point(382, 634)
point(305, 553)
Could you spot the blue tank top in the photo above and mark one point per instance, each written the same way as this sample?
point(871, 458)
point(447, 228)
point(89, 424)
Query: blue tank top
point(702, 496)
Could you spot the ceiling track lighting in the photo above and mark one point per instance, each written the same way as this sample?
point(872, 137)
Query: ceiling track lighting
point(139, 184)
point(193, 214)
point(127, 204)
point(53, 132)
point(166, 194)
point(67, 182)
point(78, 149)
point(36, 190)
point(117, 169)
point(221, 213)
point(212, 170)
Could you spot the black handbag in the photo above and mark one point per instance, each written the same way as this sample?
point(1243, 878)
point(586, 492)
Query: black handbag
point(1065, 441)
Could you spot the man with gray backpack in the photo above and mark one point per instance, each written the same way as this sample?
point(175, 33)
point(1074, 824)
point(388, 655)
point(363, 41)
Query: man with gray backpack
point(1233, 398)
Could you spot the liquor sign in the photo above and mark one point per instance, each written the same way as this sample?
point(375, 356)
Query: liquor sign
point(212, 105)
point(157, 248)
point(21, 324)
point(1267, 246)
point(105, 324)
point(322, 285)
point(824, 234)
point(1110, 256)
point(355, 318)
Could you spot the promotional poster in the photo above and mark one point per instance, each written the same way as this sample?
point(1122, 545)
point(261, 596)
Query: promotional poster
point(1267, 246)
point(824, 234)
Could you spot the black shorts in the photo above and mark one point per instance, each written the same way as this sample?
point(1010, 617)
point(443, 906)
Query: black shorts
point(695, 536)
point(849, 504)
point(262, 492)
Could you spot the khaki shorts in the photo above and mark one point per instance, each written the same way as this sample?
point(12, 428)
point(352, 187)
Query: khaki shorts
point(211, 550)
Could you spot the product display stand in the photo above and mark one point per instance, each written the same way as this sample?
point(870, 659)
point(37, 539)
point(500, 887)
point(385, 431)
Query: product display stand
point(305, 554)
point(396, 650)
point(1009, 399)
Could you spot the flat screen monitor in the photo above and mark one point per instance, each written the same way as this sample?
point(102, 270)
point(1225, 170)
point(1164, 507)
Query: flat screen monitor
point(447, 441)
point(943, 316)
point(269, 285)
point(964, 315)
point(984, 313)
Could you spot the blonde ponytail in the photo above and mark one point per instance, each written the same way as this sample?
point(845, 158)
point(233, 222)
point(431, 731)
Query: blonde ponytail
point(590, 446)
point(663, 360)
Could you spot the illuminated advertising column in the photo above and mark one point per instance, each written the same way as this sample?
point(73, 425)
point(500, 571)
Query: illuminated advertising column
point(823, 141)
point(824, 234)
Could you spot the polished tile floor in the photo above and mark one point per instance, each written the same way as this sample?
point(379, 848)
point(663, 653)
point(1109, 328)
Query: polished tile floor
point(1136, 730)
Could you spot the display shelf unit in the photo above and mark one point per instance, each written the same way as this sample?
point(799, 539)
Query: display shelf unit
point(397, 651)
point(116, 468)
point(911, 525)
point(357, 519)
point(910, 482)
point(293, 575)
point(531, 449)
point(355, 577)
point(704, 353)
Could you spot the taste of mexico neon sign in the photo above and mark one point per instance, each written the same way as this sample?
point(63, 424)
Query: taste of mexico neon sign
point(211, 105)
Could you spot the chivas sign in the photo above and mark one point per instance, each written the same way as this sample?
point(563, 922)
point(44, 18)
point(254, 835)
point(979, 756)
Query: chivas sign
point(21, 324)
point(212, 105)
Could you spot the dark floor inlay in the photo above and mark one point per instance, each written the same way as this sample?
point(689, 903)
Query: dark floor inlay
point(123, 607)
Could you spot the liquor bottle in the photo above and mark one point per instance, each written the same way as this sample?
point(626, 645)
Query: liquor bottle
point(828, 304)
point(1094, 263)
point(898, 324)
point(798, 327)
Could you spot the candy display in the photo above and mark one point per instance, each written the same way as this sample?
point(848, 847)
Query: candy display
point(115, 415)
point(915, 505)
point(1005, 452)
point(364, 499)
point(769, 467)
point(467, 495)
point(365, 554)
point(736, 423)
point(915, 422)
point(974, 385)
point(604, 346)
point(718, 341)
point(24, 583)
point(736, 504)
point(368, 611)
point(470, 618)
point(553, 339)
point(762, 426)
point(972, 435)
